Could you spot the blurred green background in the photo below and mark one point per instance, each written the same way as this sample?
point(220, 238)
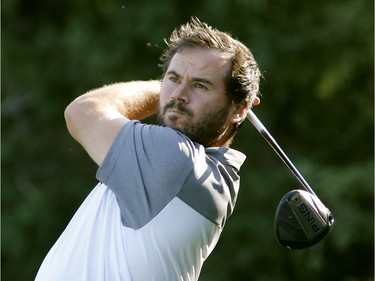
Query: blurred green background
point(317, 101)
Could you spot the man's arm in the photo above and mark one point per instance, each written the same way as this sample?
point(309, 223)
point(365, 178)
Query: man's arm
point(95, 118)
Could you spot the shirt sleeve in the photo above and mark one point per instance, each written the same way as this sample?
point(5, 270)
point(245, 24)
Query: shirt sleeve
point(146, 168)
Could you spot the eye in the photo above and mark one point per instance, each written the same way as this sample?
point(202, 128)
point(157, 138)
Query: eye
point(200, 86)
point(173, 79)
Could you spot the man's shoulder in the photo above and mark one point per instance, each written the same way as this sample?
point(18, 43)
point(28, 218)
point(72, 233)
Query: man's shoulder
point(164, 141)
point(212, 188)
point(227, 156)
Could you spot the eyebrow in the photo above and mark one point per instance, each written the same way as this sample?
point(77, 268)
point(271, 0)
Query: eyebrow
point(197, 79)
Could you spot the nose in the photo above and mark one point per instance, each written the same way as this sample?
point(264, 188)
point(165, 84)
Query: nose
point(180, 93)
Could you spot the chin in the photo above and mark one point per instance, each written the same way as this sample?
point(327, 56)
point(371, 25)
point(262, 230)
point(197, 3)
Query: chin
point(174, 126)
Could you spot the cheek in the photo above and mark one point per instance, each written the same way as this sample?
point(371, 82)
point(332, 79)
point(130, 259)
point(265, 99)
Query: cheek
point(209, 103)
point(200, 108)
point(164, 94)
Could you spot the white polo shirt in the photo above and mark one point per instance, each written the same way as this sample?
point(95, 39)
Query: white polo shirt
point(156, 214)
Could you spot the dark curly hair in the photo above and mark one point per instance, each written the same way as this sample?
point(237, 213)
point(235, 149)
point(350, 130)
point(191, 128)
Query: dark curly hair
point(242, 84)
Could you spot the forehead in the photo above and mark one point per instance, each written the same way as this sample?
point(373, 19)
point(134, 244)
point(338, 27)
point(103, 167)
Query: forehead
point(201, 62)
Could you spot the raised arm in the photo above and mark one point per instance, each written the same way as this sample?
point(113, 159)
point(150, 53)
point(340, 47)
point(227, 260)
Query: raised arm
point(95, 118)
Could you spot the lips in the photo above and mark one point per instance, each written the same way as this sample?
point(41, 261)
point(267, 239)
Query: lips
point(176, 111)
point(177, 108)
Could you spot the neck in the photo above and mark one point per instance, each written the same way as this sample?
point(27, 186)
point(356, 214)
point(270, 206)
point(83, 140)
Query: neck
point(225, 139)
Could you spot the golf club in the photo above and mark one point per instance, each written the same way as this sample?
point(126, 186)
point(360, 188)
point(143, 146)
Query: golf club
point(301, 219)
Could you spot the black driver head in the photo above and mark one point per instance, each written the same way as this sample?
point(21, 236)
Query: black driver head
point(301, 220)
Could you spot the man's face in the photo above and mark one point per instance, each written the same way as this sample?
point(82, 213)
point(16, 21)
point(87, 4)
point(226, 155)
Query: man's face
point(192, 97)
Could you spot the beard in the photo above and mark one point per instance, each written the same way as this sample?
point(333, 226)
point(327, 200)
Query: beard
point(206, 131)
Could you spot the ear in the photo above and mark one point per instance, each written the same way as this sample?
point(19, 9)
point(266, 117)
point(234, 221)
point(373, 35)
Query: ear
point(239, 113)
point(256, 101)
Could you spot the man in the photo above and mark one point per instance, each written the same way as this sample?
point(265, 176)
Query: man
point(165, 190)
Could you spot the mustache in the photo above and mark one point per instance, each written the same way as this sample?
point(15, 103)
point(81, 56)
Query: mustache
point(173, 104)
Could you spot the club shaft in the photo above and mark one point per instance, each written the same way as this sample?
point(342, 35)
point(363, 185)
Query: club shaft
point(272, 142)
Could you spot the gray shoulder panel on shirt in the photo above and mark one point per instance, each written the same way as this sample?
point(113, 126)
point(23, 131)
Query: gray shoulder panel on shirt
point(217, 188)
point(148, 165)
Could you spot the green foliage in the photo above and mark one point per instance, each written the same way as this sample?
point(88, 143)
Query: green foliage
point(317, 101)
